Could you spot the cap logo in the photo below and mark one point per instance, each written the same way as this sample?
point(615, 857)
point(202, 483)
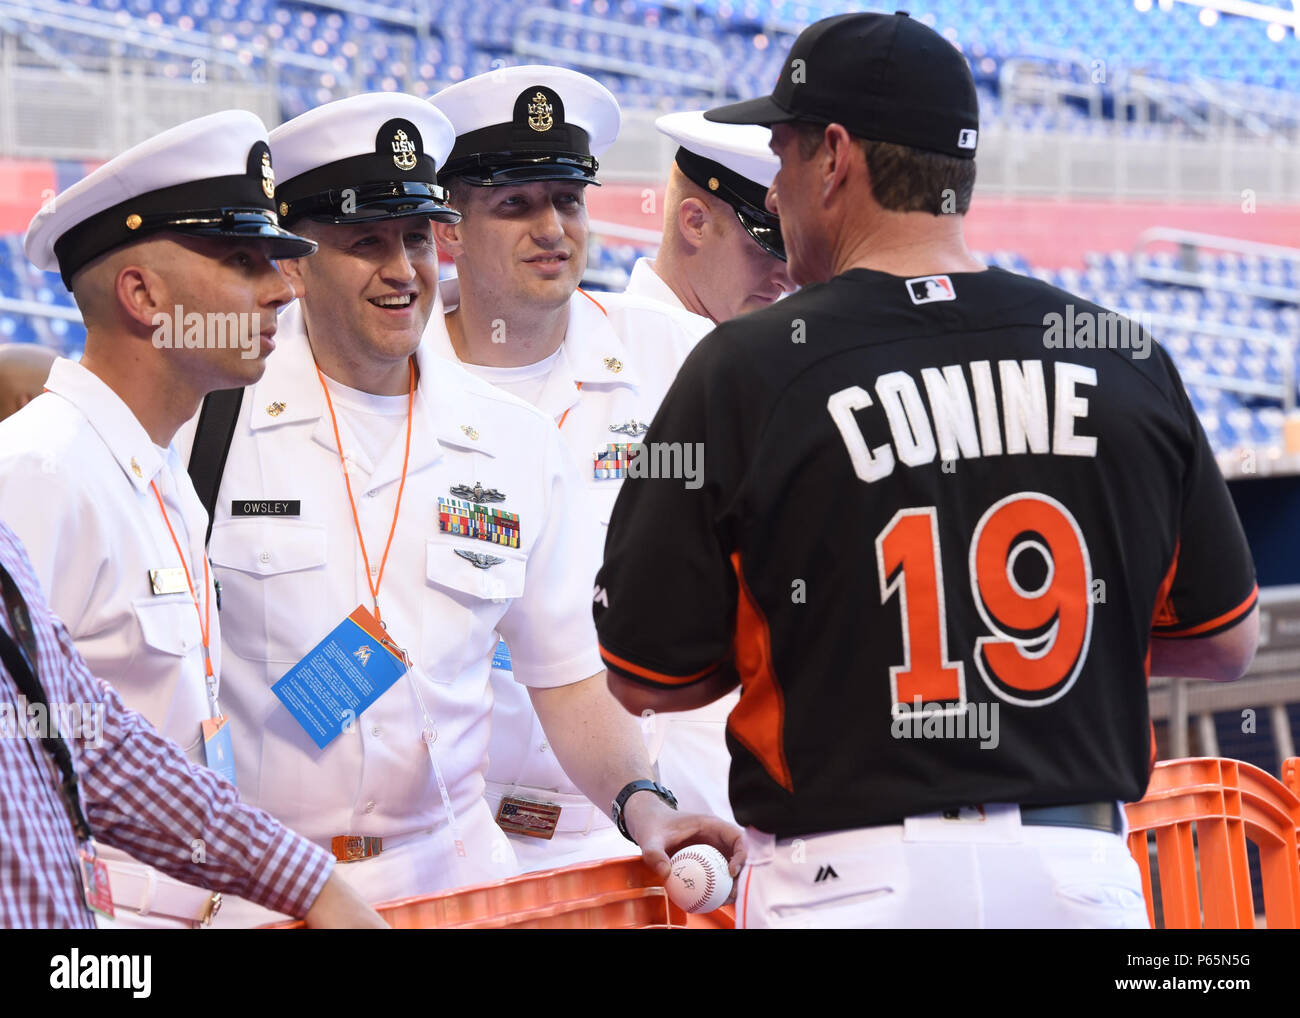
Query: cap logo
point(928, 289)
point(713, 184)
point(966, 138)
point(539, 113)
point(403, 151)
point(268, 176)
point(133, 221)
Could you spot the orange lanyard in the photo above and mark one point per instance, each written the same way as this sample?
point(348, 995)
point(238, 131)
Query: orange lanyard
point(579, 384)
point(204, 613)
point(406, 457)
point(566, 412)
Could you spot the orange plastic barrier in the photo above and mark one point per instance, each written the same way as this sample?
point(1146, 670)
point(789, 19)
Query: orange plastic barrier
point(1228, 802)
point(613, 894)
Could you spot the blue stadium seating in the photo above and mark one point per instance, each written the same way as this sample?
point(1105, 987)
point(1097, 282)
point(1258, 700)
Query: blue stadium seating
point(1080, 42)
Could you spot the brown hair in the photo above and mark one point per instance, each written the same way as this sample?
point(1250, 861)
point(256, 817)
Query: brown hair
point(905, 179)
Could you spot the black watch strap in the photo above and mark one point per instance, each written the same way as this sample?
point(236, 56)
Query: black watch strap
point(629, 790)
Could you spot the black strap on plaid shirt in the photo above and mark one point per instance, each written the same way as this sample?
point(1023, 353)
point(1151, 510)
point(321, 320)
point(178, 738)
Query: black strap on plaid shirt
point(20, 660)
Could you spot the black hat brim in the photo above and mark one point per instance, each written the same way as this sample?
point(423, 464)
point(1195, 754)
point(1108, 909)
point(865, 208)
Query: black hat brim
point(391, 207)
point(527, 174)
point(765, 235)
point(278, 242)
point(763, 110)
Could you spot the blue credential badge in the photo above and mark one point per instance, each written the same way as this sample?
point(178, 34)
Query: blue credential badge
point(501, 657)
point(218, 752)
point(340, 677)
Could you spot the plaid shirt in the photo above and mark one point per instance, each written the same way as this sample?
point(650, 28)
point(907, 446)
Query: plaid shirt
point(139, 793)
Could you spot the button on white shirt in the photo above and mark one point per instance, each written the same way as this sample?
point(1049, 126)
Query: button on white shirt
point(446, 612)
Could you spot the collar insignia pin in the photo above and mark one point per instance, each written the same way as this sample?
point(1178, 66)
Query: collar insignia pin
point(613, 364)
point(275, 409)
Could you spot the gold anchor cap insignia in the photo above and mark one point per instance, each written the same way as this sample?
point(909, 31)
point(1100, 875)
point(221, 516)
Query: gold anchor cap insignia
point(539, 113)
point(268, 176)
point(403, 151)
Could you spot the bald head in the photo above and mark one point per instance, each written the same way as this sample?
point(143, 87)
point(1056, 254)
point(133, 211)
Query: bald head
point(23, 370)
point(708, 258)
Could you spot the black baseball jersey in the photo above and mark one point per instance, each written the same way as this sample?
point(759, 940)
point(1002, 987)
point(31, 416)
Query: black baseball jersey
point(929, 526)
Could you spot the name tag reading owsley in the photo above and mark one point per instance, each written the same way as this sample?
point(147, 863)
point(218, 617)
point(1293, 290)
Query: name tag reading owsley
point(265, 507)
point(340, 677)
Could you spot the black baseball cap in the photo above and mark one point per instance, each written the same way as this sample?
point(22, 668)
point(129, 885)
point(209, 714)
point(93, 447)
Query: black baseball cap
point(885, 77)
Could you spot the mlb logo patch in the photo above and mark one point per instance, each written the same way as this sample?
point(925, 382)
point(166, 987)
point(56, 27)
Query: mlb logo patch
point(966, 137)
point(928, 289)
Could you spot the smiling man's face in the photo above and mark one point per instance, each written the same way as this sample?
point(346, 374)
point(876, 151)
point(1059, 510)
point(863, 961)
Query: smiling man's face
point(520, 244)
point(370, 287)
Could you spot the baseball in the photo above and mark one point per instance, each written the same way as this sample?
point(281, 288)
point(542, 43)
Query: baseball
point(699, 881)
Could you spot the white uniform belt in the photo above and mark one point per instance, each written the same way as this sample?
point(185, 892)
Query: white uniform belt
point(577, 813)
point(147, 891)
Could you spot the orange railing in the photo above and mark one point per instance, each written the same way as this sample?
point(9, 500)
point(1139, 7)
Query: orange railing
point(614, 894)
point(1202, 812)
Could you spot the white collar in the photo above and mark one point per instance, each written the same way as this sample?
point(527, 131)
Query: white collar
point(647, 283)
point(592, 352)
point(444, 415)
point(111, 418)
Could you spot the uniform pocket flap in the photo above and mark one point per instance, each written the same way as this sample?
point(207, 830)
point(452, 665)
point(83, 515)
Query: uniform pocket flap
point(265, 547)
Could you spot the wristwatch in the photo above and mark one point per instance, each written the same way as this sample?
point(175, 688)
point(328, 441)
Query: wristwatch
point(629, 790)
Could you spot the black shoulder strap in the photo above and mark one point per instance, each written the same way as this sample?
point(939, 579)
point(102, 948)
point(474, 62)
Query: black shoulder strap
point(211, 446)
point(19, 659)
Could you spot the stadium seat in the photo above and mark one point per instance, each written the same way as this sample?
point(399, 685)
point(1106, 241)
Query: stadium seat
point(1203, 811)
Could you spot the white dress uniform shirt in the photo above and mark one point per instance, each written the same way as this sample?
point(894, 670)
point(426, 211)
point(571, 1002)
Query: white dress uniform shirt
point(646, 282)
point(625, 352)
point(289, 580)
point(75, 473)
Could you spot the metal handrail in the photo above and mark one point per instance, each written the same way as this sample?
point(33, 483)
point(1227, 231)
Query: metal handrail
point(419, 15)
point(1216, 241)
point(526, 45)
point(97, 24)
point(39, 310)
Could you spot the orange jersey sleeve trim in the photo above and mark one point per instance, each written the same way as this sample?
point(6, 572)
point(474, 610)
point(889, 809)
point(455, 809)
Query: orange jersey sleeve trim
point(1222, 621)
point(650, 675)
point(1164, 614)
point(758, 720)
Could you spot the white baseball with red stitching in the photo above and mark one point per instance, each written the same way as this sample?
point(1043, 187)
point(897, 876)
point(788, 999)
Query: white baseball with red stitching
point(699, 881)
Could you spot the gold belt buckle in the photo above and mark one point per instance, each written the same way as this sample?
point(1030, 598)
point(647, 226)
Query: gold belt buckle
point(354, 847)
point(210, 910)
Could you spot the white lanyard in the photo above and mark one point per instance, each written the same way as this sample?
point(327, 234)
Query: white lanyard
point(429, 735)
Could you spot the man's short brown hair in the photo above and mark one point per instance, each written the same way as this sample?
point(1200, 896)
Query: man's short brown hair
point(905, 179)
